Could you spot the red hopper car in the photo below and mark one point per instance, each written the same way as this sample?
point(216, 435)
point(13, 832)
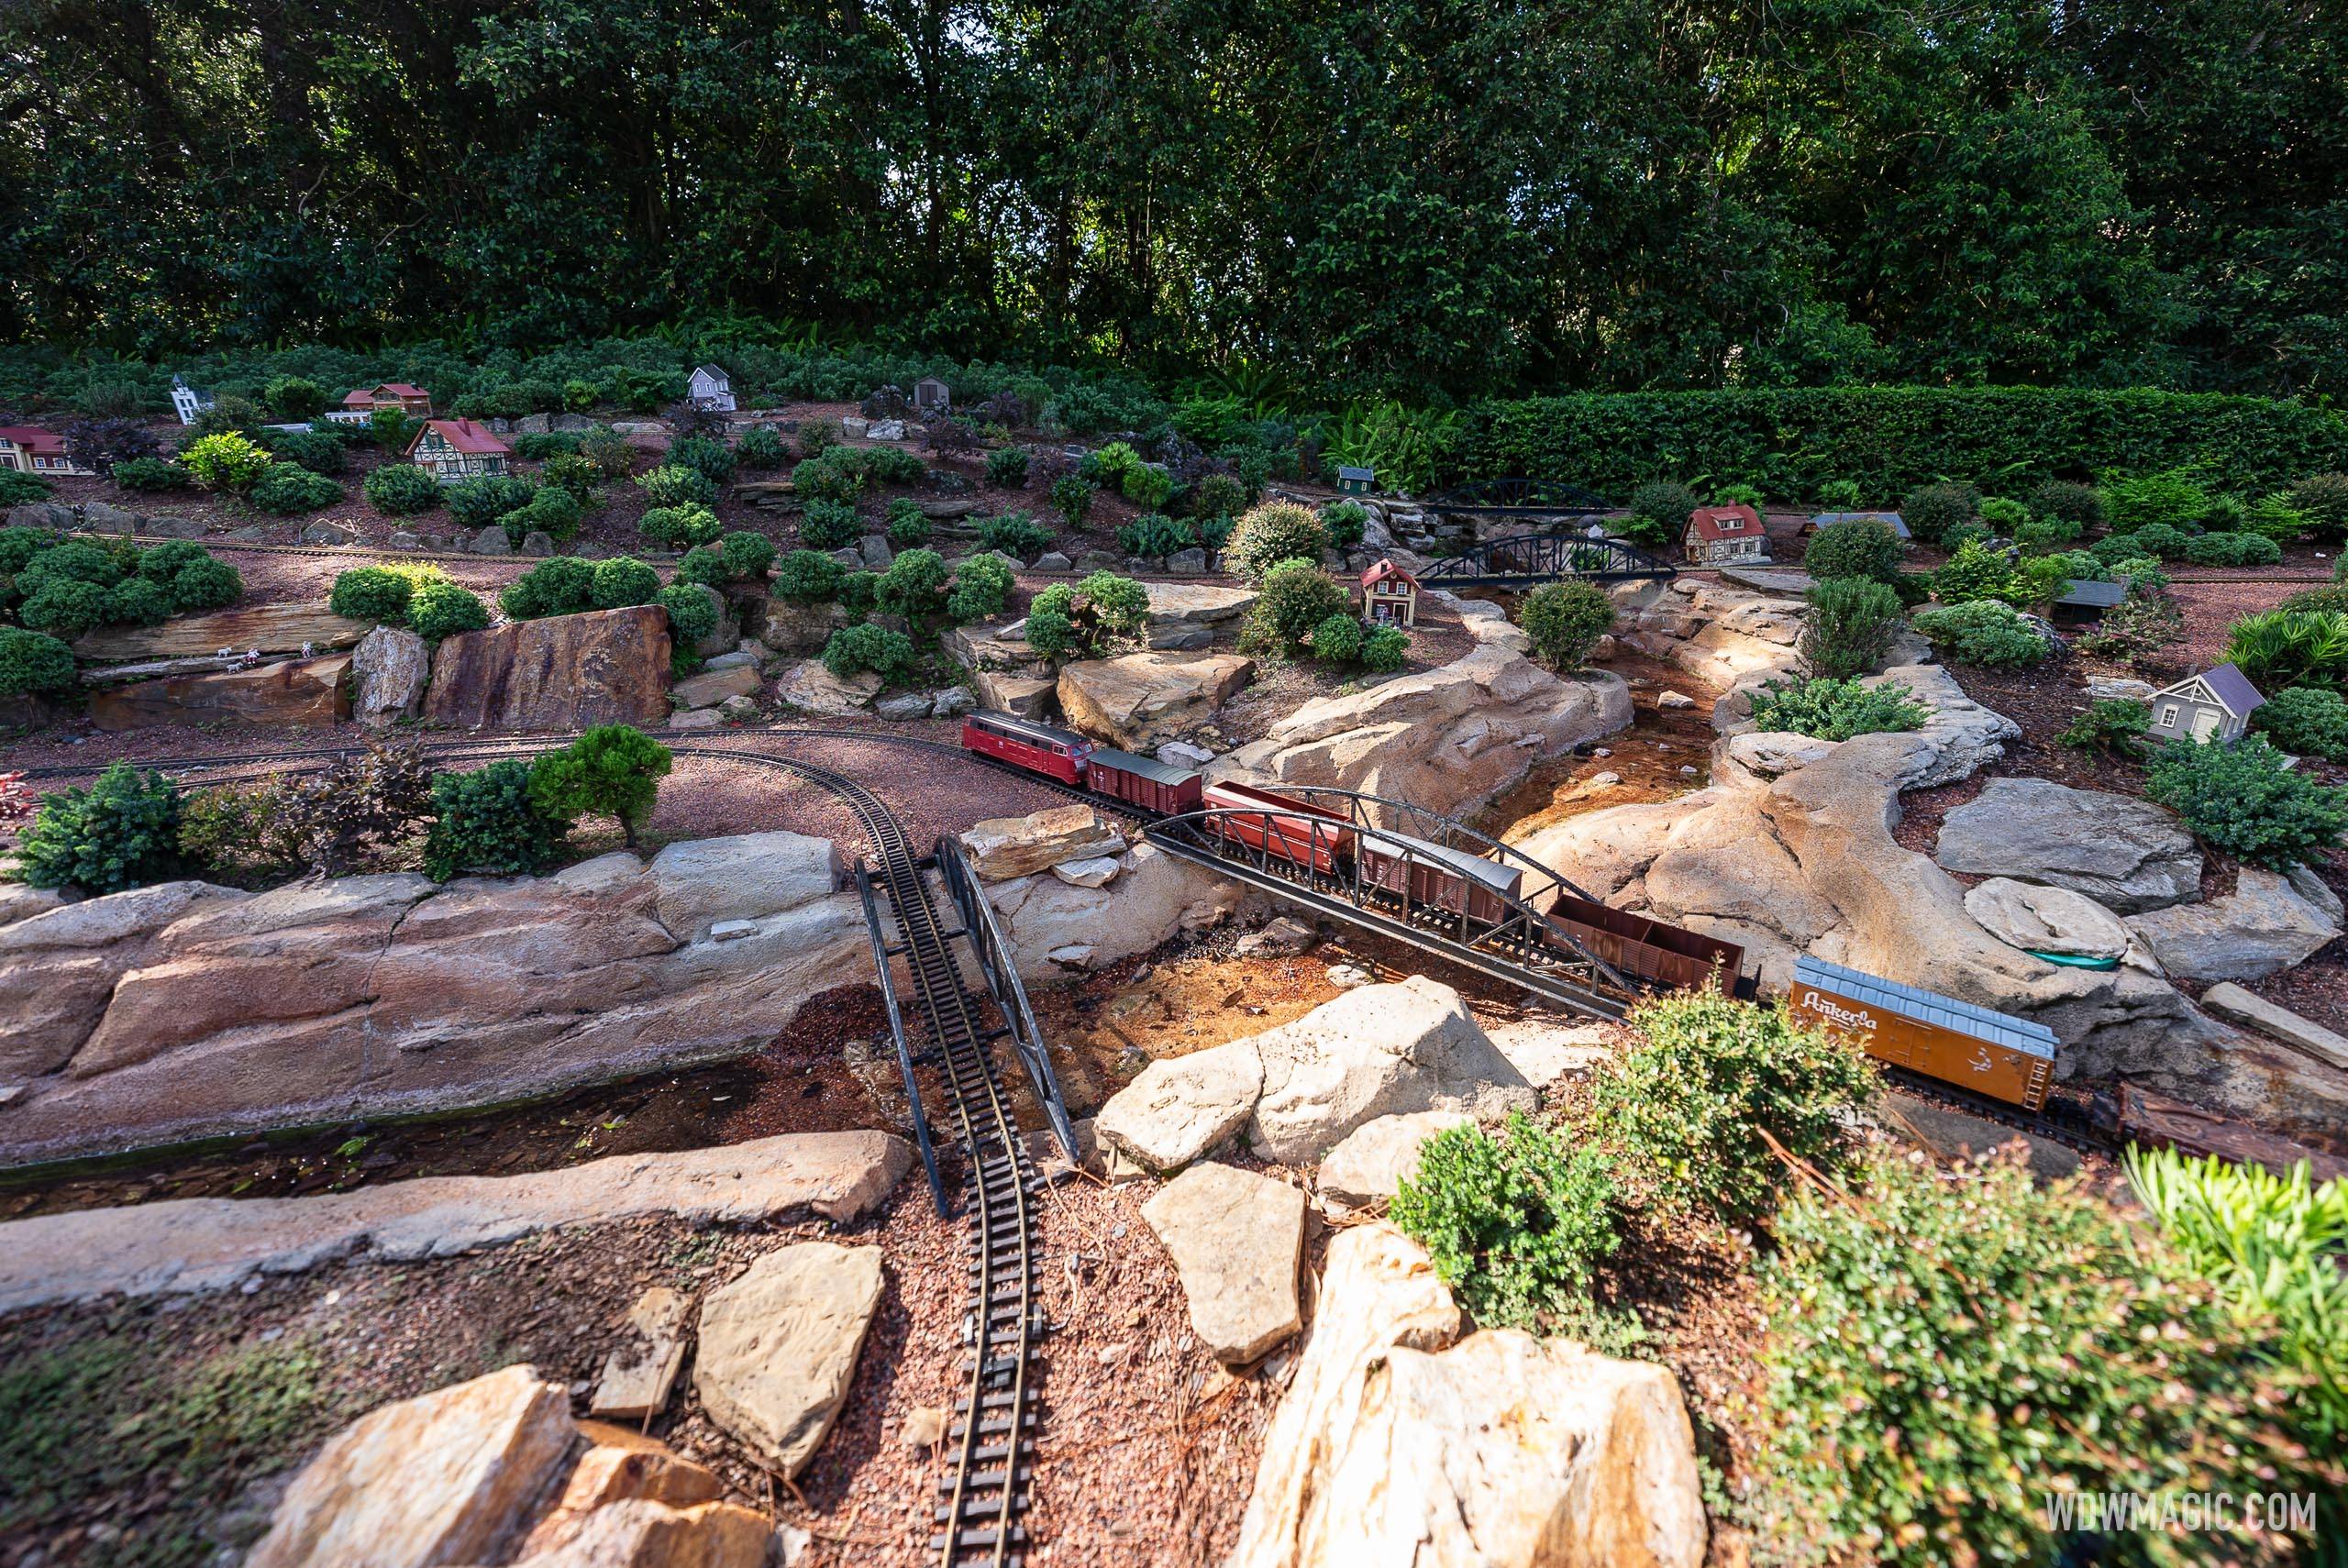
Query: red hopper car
point(1292, 830)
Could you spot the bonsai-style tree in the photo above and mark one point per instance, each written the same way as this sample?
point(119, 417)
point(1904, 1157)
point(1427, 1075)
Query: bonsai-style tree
point(613, 770)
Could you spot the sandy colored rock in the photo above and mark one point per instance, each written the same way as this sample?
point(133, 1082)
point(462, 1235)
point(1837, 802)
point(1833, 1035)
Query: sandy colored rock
point(563, 672)
point(193, 1244)
point(619, 1466)
point(58, 966)
point(2235, 1005)
point(2263, 926)
point(388, 673)
point(2041, 919)
point(654, 1535)
point(1196, 603)
point(1096, 872)
point(1179, 1109)
point(779, 1344)
point(303, 693)
point(1370, 1162)
point(810, 686)
point(262, 628)
point(442, 1478)
point(1545, 1050)
point(1027, 696)
point(1235, 1238)
point(710, 688)
point(1002, 847)
point(642, 1369)
point(698, 883)
point(1139, 698)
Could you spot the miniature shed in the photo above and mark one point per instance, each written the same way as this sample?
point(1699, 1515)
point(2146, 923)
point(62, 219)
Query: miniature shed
point(2082, 603)
point(1390, 595)
point(1355, 482)
point(710, 389)
point(932, 396)
point(2214, 705)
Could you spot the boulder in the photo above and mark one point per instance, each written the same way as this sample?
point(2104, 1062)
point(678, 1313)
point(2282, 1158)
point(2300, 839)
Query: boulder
point(712, 687)
point(388, 671)
point(1547, 1049)
point(641, 1534)
point(1179, 1108)
point(698, 883)
point(1028, 696)
point(1759, 756)
point(1193, 605)
point(169, 527)
point(1003, 847)
point(303, 694)
point(810, 686)
point(58, 966)
point(1282, 936)
point(1053, 925)
point(1236, 1238)
point(1399, 1444)
point(1372, 1161)
point(441, 1478)
point(779, 1345)
point(2041, 919)
point(1139, 698)
point(2126, 854)
point(800, 629)
point(2235, 1005)
point(329, 534)
point(492, 540)
point(563, 672)
point(1965, 736)
point(2262, 926)
point(1096, 872)
point(262, 628)
point(619, 1466)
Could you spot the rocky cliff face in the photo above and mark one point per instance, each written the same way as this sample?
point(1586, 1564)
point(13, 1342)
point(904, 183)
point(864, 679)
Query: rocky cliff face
point(606, 666)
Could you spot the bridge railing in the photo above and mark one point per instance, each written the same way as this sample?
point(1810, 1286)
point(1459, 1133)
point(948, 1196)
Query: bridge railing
point(1001, 974)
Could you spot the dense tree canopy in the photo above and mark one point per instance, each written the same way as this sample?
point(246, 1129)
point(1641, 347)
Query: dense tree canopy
point(1460, 197)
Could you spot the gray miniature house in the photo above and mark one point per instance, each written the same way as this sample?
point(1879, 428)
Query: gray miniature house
point(2214, 705)
point(2082, 603)
point(932, 396)
point(709, 387)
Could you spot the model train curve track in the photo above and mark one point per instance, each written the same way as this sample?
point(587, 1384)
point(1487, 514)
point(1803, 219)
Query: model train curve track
point(983, 1496)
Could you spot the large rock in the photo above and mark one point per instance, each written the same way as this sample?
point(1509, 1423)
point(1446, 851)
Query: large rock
point(1965, 736)
point(1181, 1108)
point(58, 970)
point(1056, 926)
point(1192, 614)
point(797, 629)
point(779, 1345)
point(810, 686)
point(1139, 698)
point(1003, 847)
point(388, 671)
point(1236, 1238)
point(1445, 739)
point(1370, 1164)
point(2040, 919)
point(444, 1478)
point(2235, 1005)
point(698, 882)
point(1728, 636)
point(304, 693)
point(1400, 1445)
point(712, 687)
point(261, 628)
point(644, 1534)
point(564, 673)
point(2126, 854)
point(1028, 696)
point(2262, 926)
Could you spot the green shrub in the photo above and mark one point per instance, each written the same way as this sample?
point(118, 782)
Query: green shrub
point(623, 580)
point(741, 556)
point(372, 593)
point(227, 461)
point(673, 484)
point(982, 588)
point(2079, 505)
point(2306, 720)
point(828, 525)
point(391, 429)
point(613, 770)
point(1272, 532)
point(2323, 499)
point(1860, 547)
point(2040, 535)
point(1016, 534)
point(1935, 510)
point(1108, 466)
point(1515, 1223)
point(2004, 516)
point(1093, 618)
point(563, 585)
point(553, 511)
point(1385, 650)
point(1985, 633)
point(1214, 532)
point(857, 591)
point(319, 451)
point(479, 502)
point(2233, 550)
point(196, 580)
point(1218, 495)
point(613, 454)
point(683, 525)
point(761, 447)
point(2113, 725)
point(1297, 597)
point(441, 609)
point(295, 397)
point(400, 489)
point(1828, 709)
point(1943, 1351)
point(834, 477)
point(692, 615)
point(853, 650)
point(487, 823)
point(2160, 541)
point(711, 458)
point(2276, 518)
point(913, 586)
point(1565, 621)
point(1147, 485)
point(2172, 497)
point(1007, 467)
point(18, 488)
point(66, 607)
point(1071, 496)
point(120, 831)
point(539, 446)
point(1978, 572)
point(1338, 639)
point(33, 662)
point(138, 601)
point(285, 489)
point(2290, 647)
point(1156, 536)
point(905, 525)
point(78, 560)
point(2243, 798)
point(151, 475)
point(1346, 522)
point(576, 477)
point(1738, 495)
point(817, 437)
point(807, 577)
point(2331, 596)
point(895, 465)
point(19, 544)
point(2143, 623)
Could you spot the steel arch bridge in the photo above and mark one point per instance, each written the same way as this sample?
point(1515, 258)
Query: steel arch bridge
point(1524, 558)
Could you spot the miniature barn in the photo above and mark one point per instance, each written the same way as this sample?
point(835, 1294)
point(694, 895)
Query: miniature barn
point(1390, 595)
point(29, 449)
point(932, 396)
point(710, 389)
point(2214, 705)
point(1720, 536)
point(457, 449)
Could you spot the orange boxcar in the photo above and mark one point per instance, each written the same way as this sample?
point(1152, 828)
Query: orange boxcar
point(1976, 1048)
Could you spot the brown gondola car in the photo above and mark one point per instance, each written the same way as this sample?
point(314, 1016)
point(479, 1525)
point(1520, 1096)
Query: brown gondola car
point(1140, 782)
point(1649, 951)
point(1976, 1048)
point(1294, 831)
point(1430, 874)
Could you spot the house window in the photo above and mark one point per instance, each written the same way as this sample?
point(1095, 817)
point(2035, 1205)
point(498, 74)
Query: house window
point(2168, 715)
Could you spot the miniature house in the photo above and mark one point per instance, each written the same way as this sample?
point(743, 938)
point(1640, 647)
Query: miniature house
point(364, 401)
point(709, 388)
point(2083, 602)
point(1389, 596)
point(1721, 536)
point(451, 449)
point(187, 402)
point(932, 396)
point(1891, 519)
point(29, 449)
point(2214, 705)
point(1355, 482)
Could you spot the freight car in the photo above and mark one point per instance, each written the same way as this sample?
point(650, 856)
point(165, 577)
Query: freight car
point(1976, 1048)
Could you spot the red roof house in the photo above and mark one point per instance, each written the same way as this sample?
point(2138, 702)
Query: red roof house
point(1390, 595)
point(457, 449)
point(390, 394)
point(29, 449)
point(1718, 535)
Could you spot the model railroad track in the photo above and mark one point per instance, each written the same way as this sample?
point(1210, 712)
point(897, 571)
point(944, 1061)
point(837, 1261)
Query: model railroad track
point(2064, 1119)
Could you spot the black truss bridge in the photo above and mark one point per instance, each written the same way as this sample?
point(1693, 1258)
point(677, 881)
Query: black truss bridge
point(1520, 559)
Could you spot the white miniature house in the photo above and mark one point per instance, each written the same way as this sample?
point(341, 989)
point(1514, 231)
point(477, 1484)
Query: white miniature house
point(711, 387)
point(187, 402)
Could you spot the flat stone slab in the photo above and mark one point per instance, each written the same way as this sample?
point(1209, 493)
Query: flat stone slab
point(1784, 581)
point(779, 1346)
point(2252, 1010)
point(1236, 1238)
point(213, 1243)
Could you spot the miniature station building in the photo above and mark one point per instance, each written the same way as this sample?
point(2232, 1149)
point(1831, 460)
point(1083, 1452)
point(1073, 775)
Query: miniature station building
point(187, 402)
point(2214, 705)
point(1390, 595)
point(362, 402)
point(1723, 535)
point(29, 449)
point(932, 396)
point(457, 449)
point(1891, 519)
point(1355, 482)
point(2082, 603)
point(710, 389)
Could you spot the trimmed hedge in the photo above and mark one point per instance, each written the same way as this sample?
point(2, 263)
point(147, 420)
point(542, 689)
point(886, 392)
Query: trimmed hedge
point(1792, 440)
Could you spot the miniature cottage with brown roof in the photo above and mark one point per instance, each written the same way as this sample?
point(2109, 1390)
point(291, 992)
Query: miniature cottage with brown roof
point(408, 399)
point(451, 449)
point(2214, 705)
point(1719, 535)
point(1390, 595)
point(29, 449)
